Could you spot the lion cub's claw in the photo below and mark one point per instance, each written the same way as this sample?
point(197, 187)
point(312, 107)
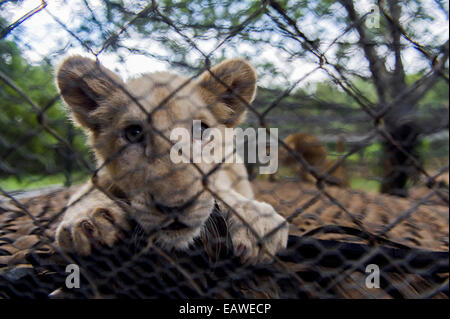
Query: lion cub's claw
point(262, 218)
point(82, 231)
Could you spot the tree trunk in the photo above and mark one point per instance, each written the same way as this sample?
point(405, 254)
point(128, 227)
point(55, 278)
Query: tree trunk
point(399, 122)
point(397, 166)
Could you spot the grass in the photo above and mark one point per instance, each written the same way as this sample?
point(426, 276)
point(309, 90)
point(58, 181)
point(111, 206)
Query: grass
point(30, 182)
point(364, 184)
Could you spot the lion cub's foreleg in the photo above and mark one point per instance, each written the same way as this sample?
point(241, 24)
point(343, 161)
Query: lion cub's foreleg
point(92, 219)
point(251, 222)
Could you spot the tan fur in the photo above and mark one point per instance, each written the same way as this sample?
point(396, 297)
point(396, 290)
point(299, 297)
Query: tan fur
point(315, 154)
point(143, 172)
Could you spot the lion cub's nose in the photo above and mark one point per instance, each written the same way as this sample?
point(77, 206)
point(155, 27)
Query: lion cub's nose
point(173, 210)
point(167, 209)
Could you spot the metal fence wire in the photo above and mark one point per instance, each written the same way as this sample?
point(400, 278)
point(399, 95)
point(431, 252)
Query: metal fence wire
point(358, 92)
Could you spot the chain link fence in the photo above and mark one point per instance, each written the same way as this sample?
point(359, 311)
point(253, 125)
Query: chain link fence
point(357, 91)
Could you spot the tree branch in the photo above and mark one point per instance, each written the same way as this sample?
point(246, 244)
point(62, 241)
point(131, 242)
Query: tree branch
point(415, 44)
point(398, 80)
point(376, 64)
point(423, 85)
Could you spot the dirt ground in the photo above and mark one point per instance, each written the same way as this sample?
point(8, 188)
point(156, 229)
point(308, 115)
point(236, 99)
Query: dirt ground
point(406, 221)
point(419, 225)
point(401, 220)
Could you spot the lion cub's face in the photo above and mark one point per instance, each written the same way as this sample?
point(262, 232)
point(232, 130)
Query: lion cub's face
point(129, 126)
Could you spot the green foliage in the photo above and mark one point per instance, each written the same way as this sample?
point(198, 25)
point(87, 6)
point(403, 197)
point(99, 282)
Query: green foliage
point(29, 182)
point(26, 147)
point(439, 95)
point(365, 184)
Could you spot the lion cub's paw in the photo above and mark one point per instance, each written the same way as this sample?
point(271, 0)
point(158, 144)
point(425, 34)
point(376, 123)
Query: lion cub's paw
point(262, 218)
point(88, 228)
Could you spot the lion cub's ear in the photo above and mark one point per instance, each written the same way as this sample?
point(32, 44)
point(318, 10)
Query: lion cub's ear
point(84, 84)
point(228, 90)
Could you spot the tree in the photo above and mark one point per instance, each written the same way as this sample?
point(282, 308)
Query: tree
point(396, 100)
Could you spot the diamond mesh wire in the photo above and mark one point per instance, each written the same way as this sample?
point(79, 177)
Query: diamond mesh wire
point(362, 161)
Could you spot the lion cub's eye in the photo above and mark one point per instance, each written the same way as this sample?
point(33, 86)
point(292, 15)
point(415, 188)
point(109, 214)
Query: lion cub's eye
point(134, 133)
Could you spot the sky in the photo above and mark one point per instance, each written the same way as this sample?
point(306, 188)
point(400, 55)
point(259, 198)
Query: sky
point(41, 36)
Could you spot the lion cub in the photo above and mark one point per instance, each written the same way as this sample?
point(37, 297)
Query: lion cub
point(129, 126)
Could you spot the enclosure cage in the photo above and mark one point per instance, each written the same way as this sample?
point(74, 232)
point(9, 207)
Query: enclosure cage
point(353, 94)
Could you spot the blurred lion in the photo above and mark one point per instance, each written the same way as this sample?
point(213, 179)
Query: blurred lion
point(316, 155)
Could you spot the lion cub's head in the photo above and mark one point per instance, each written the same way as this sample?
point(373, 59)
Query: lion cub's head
point(129, 126)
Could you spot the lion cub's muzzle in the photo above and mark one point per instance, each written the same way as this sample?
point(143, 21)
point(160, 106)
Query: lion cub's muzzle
point(173, 212)
point(175, 225)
